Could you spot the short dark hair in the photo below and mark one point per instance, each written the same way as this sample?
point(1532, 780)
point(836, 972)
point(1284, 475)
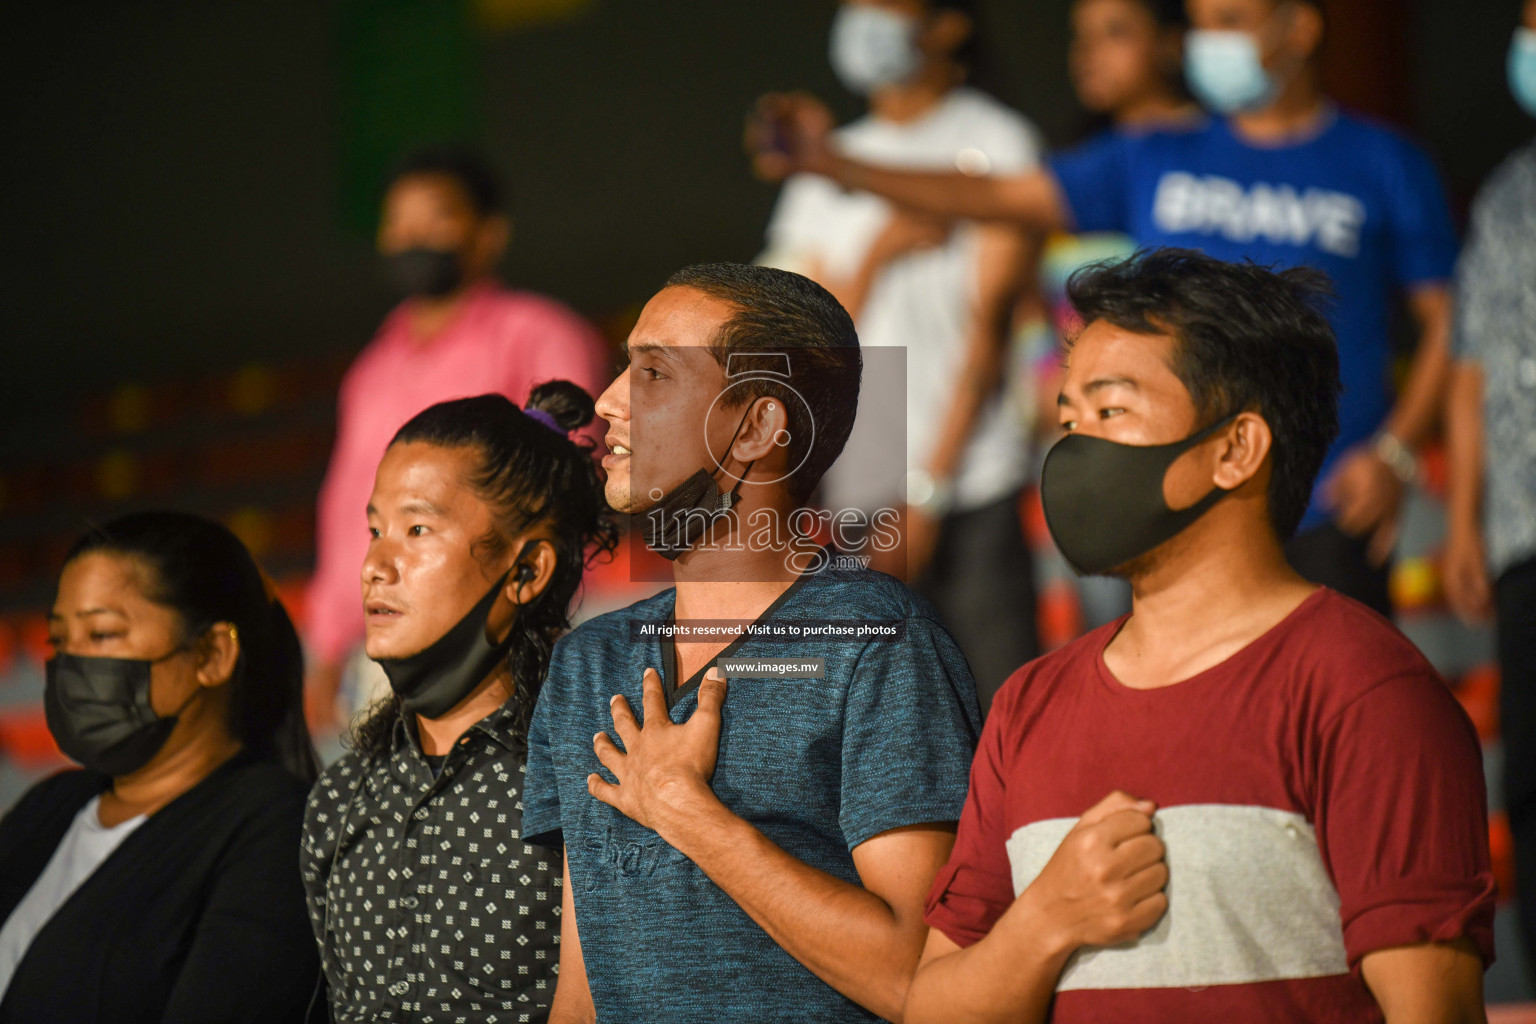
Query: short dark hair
point(778, 311)
point(468, 169)
point(1165, 13)
point(1246, 338)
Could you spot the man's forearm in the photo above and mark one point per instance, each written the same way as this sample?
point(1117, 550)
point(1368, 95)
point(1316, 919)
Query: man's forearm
point(1464, 444)
point(1418, 407)
point(572, 1003)
point(1008, 977)
point(1029, 200)
point(852, 291)
point(978, 381)
point(1429, 983)
point(1006, 261)
point(845, 935)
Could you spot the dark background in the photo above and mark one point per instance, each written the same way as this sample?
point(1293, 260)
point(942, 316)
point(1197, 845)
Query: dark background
point(188, 189)
point(190, 185)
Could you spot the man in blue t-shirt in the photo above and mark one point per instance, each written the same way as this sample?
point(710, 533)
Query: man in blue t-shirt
point(1282, 177)
point(767, 856)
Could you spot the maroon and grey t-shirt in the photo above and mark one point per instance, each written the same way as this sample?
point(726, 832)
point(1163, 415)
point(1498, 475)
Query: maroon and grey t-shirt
point(1320, 794)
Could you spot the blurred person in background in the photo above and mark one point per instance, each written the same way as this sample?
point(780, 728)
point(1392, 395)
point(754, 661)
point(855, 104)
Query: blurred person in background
point(762, 856)
point(158, 883)
point(1125, 64)
point(1491, 458)
point(481, 519)
point(1278, 174)
point(944, 292)
point(458, 332)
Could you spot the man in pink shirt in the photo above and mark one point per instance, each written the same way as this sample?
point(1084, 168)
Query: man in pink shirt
point(458, 333)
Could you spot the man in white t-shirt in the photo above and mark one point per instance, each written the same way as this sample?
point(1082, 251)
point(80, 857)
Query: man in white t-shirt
point(944, 292)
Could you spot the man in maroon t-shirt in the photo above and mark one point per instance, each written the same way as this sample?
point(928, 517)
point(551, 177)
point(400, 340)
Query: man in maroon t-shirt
point(1317, 790)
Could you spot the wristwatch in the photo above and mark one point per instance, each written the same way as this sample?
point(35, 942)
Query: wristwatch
point(1396, 455)
point(928, 494)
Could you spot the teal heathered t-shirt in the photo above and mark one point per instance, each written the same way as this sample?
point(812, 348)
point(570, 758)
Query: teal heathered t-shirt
point(818, 765)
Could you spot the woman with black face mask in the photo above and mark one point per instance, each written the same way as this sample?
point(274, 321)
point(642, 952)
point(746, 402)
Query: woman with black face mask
point(423, 895)
point(158, 883)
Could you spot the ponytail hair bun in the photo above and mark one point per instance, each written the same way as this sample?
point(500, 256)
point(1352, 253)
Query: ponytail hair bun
point(566, 403)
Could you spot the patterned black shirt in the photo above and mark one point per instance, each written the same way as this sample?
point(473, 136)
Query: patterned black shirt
point(427, 904)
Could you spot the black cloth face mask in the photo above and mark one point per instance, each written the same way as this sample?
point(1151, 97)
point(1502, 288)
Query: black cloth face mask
point(99, 712)
point(433, 680)
point(423, 271)
point(1104, 501)
point(682, 515)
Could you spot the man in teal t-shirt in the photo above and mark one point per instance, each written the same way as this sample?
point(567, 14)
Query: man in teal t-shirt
point(763, 856)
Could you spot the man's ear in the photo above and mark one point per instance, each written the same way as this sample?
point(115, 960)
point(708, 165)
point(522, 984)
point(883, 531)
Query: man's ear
point(491, 240)
point(218, 654)
point(531, 572)
point(1304, 36)
point(1248, 443)
point(765, 431)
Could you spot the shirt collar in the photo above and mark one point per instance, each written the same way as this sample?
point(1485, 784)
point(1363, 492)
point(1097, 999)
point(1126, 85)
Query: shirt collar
point(496, 727)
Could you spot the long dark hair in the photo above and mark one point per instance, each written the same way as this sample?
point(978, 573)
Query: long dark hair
point(528, 474)
point(201, 571)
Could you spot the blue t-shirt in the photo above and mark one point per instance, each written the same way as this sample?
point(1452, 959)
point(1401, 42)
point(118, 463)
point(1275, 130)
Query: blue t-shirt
point(1356, 200)
point(818, 765)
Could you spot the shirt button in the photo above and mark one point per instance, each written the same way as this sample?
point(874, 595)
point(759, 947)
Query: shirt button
point(1293, 831)
point(409, 902)
point(399, 988)
point(422, 813)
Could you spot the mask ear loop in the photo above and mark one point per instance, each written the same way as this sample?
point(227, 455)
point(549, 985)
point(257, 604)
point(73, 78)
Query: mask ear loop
point(729, 498)
point(197, 691)
point(1201, 436)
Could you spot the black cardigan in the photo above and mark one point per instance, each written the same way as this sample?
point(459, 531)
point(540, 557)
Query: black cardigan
point(198, 917)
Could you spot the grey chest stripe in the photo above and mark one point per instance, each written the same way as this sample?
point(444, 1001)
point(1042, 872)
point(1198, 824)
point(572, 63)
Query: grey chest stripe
point(1249, 900)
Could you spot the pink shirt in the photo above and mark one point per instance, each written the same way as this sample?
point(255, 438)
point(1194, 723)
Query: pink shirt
point(501, 341)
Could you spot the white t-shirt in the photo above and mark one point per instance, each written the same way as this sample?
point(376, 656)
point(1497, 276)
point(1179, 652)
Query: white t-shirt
point(922, 301)
point(79, 854)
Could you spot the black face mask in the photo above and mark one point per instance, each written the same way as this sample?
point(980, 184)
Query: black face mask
point(683, 515)
point(422, 271)
point(434, 680)
point(99, 712)
point(1104, 501)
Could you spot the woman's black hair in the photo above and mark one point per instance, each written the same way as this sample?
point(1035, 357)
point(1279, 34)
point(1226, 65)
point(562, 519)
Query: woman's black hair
point(200, 570)
point(528, 473)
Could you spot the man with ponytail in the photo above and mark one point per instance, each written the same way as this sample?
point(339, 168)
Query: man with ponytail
point(426, 901)
point(762, 856)
point(443, 228)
